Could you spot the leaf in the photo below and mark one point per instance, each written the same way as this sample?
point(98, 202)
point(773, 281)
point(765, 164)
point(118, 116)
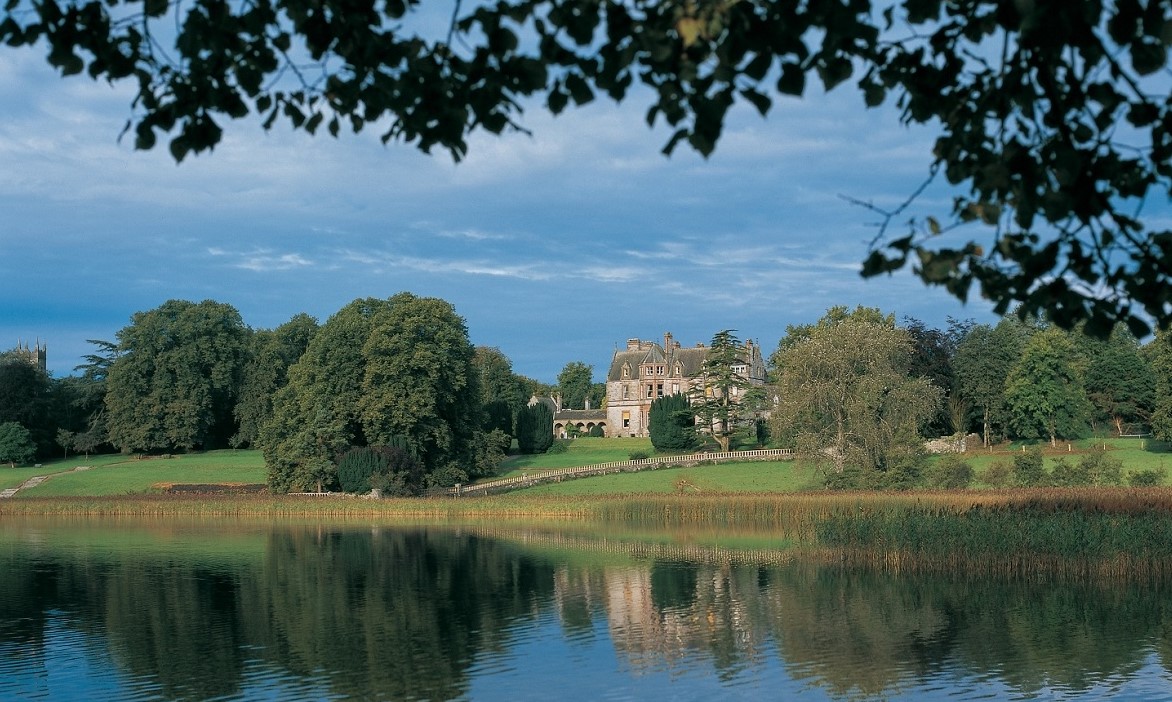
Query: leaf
point(759, 100)
point(792, 80)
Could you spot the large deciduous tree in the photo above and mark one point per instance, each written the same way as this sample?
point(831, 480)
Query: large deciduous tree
point(1044, 392)
point(984, 357)
point(271, 353)
point(176, 378)
point(377, 370)
point(576, 385)
point(27, 397)
point(16, 444)
point(1119, 380)
point(1052, 116)
point(845, 398)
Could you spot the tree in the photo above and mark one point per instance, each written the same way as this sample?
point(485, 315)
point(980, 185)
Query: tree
point(1159, 353)
point(502, 393)
point(390, 469)
point(535, 428)
point(1119, 381)
point(672, 424)
point(26, 397)
point(16, 444)
point(1044, 392)
point(576, 385)
point(845, 397)
point(721, 401)
point(931, 358)
point(1052, 116)
point(379, 369)
point(271, 353)
point(984, 357)
point(176, 378)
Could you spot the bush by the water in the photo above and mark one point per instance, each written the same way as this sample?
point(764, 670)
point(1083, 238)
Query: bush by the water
point(1029, 468)
point(1147, 478)
point(391, 469)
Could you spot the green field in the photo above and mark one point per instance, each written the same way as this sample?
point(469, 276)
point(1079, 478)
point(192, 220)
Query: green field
point(585, 451)
point(122, 475)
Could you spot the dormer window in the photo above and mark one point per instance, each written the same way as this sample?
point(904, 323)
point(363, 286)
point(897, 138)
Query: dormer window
point(626, 371)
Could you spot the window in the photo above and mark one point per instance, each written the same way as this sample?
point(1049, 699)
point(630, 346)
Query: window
point(659, 370)
point(626, 371)
point(626, 392)
point(675, 388)
point(626, 420)
point(659, 390)
point(649, 390)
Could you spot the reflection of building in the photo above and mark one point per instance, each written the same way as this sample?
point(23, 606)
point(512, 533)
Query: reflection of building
point(645, 371)
point(35, 355)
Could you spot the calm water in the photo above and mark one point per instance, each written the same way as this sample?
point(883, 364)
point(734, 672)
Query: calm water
point(136, 610)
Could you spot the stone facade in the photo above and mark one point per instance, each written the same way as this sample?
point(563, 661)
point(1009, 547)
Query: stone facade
point(36, 355)
point(645, 371)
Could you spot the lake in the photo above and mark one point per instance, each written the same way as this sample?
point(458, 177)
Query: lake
point(133, 609)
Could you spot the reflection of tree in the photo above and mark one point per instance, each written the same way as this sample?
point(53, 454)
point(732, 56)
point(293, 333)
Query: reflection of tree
point(388, 614)
point(405, 613)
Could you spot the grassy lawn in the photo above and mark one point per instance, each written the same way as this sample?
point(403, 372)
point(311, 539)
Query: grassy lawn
point(753, 477)
point(11, 477)
point(583, 451)
point(1136, 454)
point(127, 475)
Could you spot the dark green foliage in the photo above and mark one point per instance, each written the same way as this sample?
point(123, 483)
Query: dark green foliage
point(27, 397)
point(271, 353)
point(576, 385)
point(1044, 391)
point(950, 472)
point(1029, 468)
point(16, 444)
point(672, 424)
point(177, 377)
point(378, 369)
point(1064, 473)
point(999, 474)
point(1102, 468)
point(1028, 133)
point(559, 446)
point(596, 431)
point(906, 473)
point(391, 469)
point(498, 415)
point(535, 428)
point(1147, 478)
point(851, 477)
point(637, 455)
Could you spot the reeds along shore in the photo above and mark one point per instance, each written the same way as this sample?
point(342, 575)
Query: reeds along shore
point(1113, 532)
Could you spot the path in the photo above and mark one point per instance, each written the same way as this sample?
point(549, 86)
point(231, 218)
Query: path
point(35, 481)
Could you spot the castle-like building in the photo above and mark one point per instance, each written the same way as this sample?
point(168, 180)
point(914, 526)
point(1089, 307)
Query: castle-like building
point(641, 373)
point(36, 355)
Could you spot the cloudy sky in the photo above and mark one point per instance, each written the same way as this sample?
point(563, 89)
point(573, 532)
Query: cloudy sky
point(554, 247)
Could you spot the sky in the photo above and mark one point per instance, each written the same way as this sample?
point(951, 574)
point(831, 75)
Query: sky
point(554, 247)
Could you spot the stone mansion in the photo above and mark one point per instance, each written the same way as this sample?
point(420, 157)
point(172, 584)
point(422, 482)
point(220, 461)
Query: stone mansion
point(643, 372)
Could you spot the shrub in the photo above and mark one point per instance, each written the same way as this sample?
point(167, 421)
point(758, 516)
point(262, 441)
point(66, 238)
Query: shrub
point(998, 475)
point(672, 424)
point(392, 469)
point(637, 455)
point(535, 428)
point(1147, 478)
point(851, 478)
point(559, 447)
point(1065, 474)
point(904, 474)
point(597, 431)
point(950, 472)
point(1102, 469)
point(1029, 468)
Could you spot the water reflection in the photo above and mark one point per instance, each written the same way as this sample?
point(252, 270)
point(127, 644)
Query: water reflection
point(138, 612)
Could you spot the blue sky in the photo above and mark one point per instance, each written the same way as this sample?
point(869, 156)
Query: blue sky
point(554, 247)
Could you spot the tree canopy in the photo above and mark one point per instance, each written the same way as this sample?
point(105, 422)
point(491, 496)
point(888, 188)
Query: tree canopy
point(1053, 118)
point(176, 378)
